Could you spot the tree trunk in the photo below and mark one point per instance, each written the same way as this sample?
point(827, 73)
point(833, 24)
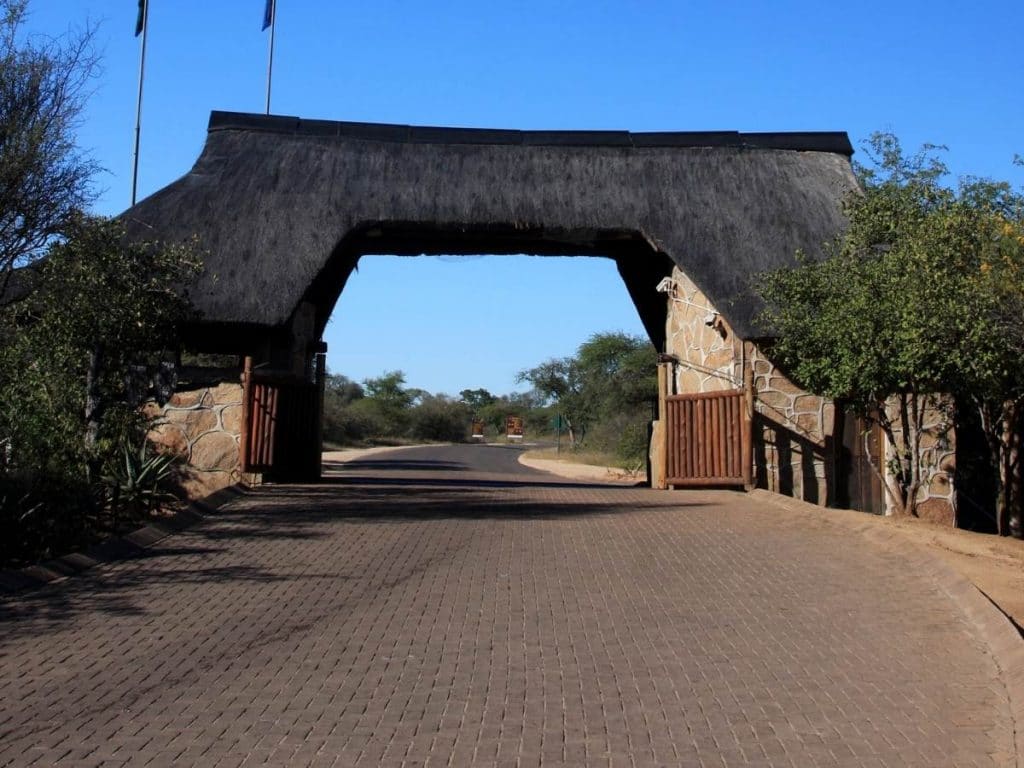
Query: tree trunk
point(912, 445)
point(93, 408)
point(1010, 494)
point(891, 482)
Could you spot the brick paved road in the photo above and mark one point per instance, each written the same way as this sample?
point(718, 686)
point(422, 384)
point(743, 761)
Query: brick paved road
point(431, 615)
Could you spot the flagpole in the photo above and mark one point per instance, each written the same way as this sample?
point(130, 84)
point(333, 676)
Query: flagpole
point(138, 105)
point(270, 56)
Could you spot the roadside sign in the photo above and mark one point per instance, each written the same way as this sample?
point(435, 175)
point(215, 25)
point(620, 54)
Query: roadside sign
point(478, 429)
point(514, 427)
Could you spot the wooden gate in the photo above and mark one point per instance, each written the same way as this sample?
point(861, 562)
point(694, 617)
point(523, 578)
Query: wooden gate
point(859, 486)
point(282, 433)
point(708, 439)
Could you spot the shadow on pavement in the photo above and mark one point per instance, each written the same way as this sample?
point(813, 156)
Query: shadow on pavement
point(496, 481)
point(399, 465)
point(209, 553)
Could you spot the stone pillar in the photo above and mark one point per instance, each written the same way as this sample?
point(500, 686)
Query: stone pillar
point(203, 427)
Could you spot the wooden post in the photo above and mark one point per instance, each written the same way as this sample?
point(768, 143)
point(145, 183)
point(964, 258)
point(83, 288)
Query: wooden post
point(321, 376)
point(243, 444)
point(662, 429)
point(748, 425)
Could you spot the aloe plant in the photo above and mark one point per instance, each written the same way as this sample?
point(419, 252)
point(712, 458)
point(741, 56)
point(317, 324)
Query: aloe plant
point(139, 484)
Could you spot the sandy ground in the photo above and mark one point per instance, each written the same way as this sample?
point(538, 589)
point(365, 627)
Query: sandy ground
point(994, 564)
point(567, 469)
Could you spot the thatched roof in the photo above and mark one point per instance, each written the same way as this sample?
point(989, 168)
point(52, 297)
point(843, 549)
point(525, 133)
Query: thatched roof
point(284, 207)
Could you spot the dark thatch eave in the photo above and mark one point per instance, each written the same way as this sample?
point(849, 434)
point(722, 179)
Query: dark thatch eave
point(283, 207)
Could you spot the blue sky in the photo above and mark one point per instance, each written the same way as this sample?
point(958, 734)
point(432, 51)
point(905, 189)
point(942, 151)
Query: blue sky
point(940, 71)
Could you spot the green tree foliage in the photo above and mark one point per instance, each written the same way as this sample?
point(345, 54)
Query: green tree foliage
point(77, 358)
point(476, 399)
point(560, 381)
point(440, 418)
point(44, 176)
point(607, 386)
point(341, 425)
point(910, 303)
point(388, 400)
point(383, 408)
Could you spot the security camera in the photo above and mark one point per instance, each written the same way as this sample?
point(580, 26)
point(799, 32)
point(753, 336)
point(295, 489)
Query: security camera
point(710, 319)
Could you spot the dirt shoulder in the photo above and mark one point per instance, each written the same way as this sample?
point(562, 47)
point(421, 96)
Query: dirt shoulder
point(568, 469)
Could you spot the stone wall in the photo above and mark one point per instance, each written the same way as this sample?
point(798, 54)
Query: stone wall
point(203, 426)
point(702, 341)
point(793, 430)
point(793, 446)
point(791, 427)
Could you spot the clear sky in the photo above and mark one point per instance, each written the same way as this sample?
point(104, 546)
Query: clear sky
point(939, 71)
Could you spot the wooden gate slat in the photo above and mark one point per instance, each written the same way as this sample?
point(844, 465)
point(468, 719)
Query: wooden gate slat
point(707, 438)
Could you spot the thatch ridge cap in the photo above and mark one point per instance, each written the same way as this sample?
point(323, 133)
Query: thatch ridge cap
point(836, 142)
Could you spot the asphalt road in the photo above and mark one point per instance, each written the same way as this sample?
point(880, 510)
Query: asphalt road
point(489, 459)
point(449, 607)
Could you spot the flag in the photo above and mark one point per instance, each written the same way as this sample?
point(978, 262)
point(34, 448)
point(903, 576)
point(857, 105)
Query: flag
point(140, 21)
point(268, 14)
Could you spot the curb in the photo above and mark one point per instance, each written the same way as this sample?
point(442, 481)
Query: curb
point(589, 473)
point(997, 630)
point(117, 548)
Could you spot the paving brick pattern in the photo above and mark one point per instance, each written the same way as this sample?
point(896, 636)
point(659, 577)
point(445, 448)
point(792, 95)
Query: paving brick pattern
point(418, 618)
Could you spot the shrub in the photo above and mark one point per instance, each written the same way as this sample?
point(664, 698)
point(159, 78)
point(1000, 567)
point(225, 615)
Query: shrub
point(440, 418)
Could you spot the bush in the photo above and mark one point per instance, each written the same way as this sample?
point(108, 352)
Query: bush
point(439, 418)
point(78, 356)
point(42, 516)
point(351, 424)
point(633, 444)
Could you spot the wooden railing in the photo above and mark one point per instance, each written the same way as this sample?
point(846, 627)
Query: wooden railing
point(708, 438)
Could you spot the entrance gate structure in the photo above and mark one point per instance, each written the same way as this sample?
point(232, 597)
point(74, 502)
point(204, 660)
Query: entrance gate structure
point(283, 208)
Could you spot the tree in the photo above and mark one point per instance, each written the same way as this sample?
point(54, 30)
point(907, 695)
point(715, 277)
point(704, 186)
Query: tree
point(77, 358)
point(992, 364)
point(102, 317)
point(44, 176)
point(341, 425)
point(389, 400)
point(904, 307)
point(476, 399)
point(342, 389)
point(619, 372)
point(612, 377)
point(560, 380)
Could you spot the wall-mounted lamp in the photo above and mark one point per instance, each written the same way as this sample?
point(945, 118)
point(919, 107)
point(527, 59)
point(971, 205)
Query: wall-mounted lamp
point(667, 285)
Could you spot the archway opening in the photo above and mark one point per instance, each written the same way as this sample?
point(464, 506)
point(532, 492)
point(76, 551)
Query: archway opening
point(474, 309)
